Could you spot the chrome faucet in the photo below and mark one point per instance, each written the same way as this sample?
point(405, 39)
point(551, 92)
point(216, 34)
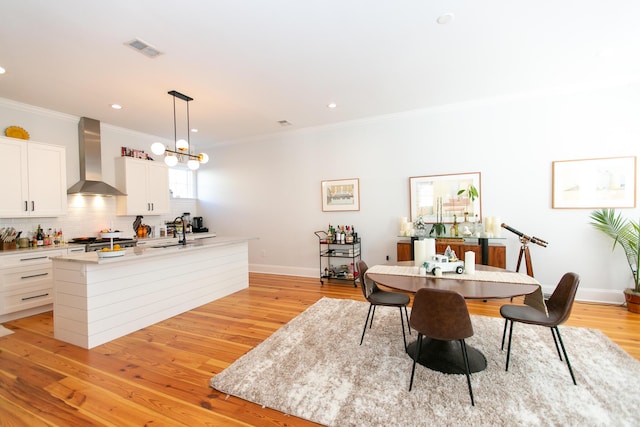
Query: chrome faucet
point(184, 231)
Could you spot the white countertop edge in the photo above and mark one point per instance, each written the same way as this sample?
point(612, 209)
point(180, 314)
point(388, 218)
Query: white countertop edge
point(138, 253)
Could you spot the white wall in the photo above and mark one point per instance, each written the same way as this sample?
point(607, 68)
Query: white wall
point(269, 187)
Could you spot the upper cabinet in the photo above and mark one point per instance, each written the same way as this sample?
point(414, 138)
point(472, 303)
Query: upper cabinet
point(34, 179)
point(146, 184)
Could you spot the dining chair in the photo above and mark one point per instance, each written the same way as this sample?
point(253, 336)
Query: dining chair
point(379, 297)
point(441, 315)
point(559, 307)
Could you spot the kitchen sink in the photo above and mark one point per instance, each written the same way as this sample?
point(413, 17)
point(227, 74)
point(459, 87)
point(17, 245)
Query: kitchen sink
point(169, 245)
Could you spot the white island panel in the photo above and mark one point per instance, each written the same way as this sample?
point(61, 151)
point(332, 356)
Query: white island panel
point(97, 301)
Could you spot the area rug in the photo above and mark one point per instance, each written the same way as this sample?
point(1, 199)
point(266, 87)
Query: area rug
point(314, 368)
point(4, 331)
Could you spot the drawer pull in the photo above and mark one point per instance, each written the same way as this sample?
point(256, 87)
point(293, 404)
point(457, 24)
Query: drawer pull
point(34, 275)
point(35, 296)
point(34, 258)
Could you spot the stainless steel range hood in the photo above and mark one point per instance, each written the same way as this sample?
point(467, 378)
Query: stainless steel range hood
point(91, 162)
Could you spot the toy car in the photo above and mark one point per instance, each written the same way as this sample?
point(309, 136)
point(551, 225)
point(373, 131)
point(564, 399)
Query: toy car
point(444, 264)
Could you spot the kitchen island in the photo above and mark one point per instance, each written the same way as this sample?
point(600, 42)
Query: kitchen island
point(98, 299)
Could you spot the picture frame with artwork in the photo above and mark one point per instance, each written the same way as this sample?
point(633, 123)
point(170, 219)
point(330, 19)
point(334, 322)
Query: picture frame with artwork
point(608, 182)
point(340, 195)
point(437, 198)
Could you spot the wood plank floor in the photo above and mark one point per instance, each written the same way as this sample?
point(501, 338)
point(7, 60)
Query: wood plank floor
point(160, 375)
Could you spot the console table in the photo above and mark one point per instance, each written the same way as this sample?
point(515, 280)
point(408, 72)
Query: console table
point(487, 250)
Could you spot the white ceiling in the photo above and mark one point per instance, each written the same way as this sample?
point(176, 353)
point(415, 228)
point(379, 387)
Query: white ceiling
point(250, 63)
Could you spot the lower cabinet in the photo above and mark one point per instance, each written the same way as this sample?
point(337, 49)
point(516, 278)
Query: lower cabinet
point(496, 253)
point(26, 283)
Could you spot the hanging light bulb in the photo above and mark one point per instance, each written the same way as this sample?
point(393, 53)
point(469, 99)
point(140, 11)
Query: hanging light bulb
point(158, 148)
point(193, 164)
point(203, 158)
point(182, 145)
point(170, 160)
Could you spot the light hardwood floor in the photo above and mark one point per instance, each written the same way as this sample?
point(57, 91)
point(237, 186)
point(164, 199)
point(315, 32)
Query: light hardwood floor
point(160, 375)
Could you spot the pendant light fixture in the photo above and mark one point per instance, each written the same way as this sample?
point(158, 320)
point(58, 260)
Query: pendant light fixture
point(181, 147)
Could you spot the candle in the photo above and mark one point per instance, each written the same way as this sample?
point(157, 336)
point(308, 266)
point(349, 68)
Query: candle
point(419, 252)
point(470, 262)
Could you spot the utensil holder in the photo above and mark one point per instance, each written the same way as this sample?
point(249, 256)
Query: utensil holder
point(7, 246)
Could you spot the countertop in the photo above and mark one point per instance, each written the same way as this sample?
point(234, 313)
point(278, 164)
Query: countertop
point(148, 251)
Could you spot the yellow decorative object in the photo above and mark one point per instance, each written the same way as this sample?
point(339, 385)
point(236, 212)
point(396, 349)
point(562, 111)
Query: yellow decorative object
point(16, 132)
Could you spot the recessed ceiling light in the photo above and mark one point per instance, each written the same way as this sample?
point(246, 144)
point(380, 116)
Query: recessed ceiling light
point(445, 18)
point(194, 130)
point(332, 105)
point(116, 106)
point(2, 70)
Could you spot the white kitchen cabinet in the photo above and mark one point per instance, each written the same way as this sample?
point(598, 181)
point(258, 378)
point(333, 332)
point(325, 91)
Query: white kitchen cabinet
point(26, 283)
point(34, 177)
point(146, 184)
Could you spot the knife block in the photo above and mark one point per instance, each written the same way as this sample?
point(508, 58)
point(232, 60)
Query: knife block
point(7, 246)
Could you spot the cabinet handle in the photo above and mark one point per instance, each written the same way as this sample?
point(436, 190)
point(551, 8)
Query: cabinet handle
point(34, 275)
point(26, 206)
point(35, 296)
point(33, 206)
point(153, 207)
point(34, 258)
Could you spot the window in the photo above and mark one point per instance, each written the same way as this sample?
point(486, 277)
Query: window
point(182, 182)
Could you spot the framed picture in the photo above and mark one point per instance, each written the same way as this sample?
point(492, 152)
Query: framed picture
point(594, 183)
point(341, 195)
point(437, 198)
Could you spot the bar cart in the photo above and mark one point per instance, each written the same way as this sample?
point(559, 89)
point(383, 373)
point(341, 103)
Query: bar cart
point(338, 260)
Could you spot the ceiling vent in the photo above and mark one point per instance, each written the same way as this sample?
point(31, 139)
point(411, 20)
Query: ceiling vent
point(144, 48)
point(284, 123)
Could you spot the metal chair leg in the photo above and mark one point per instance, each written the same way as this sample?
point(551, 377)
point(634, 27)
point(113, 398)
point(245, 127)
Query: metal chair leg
point(415, 358)
point(406, 315)
point(372, 314)
point(504, 332)
point(555, 341)
point(365, 324)
point(404, 337)
point(509, 346)
point(465, 356)
point(565, 355)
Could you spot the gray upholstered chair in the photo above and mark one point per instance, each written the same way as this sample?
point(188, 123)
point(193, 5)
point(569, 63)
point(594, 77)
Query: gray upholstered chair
point(377, 296)
point(441, 315)
point(559, 307)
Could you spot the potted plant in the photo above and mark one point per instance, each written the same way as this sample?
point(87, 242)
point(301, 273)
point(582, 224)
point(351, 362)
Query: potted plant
point(439, 226)
point(625, 233)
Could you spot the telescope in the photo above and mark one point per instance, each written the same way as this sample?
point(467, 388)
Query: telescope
point(526, 238)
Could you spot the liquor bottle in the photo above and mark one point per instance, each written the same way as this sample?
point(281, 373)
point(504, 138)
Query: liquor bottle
point(454, 227)
point(39, 236)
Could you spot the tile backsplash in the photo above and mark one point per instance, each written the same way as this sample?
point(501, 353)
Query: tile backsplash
point(87, 215)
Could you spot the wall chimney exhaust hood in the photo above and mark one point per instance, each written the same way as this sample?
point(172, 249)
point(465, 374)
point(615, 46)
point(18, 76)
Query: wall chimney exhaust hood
point(91, 162)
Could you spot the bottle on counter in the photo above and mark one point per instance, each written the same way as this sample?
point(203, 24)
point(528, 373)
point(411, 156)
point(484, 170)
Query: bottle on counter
point(39, 236)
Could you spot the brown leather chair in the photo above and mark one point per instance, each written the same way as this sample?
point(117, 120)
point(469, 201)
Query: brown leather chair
point(377, 296)
point(442, 315)
point(559, 307)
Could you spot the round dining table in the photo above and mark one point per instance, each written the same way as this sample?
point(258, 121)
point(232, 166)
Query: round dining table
point(446, 356)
